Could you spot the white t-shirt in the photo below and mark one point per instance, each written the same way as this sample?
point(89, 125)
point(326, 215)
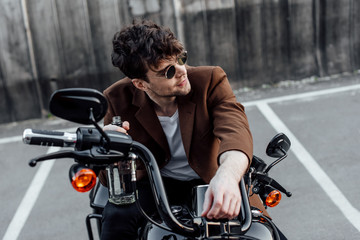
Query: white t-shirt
point(178, 166)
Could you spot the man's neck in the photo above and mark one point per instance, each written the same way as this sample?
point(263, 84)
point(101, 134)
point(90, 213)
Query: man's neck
point(164, 106)
point(165, 109)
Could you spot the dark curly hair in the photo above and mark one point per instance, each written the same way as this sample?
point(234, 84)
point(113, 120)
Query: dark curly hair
point(141, 46)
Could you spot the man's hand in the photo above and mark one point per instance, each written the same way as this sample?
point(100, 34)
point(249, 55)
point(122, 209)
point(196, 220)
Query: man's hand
point(124, 128)
point(222, 198)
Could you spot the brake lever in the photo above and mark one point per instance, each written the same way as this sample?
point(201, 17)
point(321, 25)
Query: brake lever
point(54, 155)
point(89, 156)
point(268, 180)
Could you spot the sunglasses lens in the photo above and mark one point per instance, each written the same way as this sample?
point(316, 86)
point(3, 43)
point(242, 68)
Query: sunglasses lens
point(182, 60)
point(170, 73)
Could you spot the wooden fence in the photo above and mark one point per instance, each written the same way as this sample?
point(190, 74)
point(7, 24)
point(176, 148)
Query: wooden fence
point(51, 44)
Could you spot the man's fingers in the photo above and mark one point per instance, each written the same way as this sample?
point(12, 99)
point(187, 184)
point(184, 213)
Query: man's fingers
point(228, 207)
point(216, 206)
point(233, 209)
point(207, 203)
point(237, 208)
point(223, 206)
point(111, 127)
point(126, 125)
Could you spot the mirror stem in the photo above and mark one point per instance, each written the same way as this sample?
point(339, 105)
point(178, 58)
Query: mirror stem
point(101, 131)
point(276, 161)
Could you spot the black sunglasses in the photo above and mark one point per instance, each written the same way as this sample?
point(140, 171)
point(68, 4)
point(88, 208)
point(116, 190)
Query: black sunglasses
point(181, 60)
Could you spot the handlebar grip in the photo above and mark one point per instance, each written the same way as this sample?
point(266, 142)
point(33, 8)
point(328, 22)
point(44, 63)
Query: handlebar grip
point(47, 132)
point(49, 138)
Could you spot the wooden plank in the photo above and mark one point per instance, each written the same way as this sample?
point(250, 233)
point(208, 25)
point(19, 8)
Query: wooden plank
point(303, 62)
point(18, 95)
point(105, 20)
point(335, 36)
point(248, 29)
point(76, 44)
point(195, 32)
point(275, 40)
point(223, 49)
point(47, 46)
point(354, 34)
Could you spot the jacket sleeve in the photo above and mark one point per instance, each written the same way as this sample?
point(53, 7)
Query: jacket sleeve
point(231, 126)
point(110, 112)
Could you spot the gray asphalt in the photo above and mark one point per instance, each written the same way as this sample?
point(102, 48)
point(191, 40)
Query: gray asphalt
point(325, 127)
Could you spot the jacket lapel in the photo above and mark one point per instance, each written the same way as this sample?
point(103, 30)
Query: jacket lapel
point(186, 117)
point(149, 120)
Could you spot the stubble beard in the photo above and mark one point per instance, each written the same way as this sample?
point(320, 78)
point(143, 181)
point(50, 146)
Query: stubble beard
point(176, 93)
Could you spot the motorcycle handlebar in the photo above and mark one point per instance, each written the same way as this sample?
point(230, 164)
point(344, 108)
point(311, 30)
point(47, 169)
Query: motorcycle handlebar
point(49, 138)
point(84, 139)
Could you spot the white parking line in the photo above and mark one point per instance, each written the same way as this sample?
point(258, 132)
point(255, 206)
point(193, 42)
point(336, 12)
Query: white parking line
point(304, 95)
point(325, 182)
point(10, 139)
point(29, 200)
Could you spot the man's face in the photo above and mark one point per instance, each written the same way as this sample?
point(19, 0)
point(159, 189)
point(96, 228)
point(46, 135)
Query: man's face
point(160, 86)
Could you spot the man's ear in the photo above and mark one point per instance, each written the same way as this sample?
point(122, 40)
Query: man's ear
point(139, 83)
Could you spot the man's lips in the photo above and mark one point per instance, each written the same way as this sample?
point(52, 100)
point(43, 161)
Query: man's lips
point(183, 82)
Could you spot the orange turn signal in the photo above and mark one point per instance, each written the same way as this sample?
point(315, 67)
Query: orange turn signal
point(82, 179)
point(273, 198)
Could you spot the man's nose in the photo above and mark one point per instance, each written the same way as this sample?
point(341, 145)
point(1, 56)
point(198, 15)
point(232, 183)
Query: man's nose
point(180, 70)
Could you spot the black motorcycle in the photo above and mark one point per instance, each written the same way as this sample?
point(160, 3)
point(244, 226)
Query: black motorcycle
point(117, 153)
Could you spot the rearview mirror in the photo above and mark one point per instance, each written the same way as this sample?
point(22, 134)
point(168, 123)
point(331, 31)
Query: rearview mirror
point(76, 105)
point(278, 146)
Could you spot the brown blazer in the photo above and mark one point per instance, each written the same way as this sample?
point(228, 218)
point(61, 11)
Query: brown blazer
point(211, 120)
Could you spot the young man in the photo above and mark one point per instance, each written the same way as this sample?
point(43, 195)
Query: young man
point(187, 116)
